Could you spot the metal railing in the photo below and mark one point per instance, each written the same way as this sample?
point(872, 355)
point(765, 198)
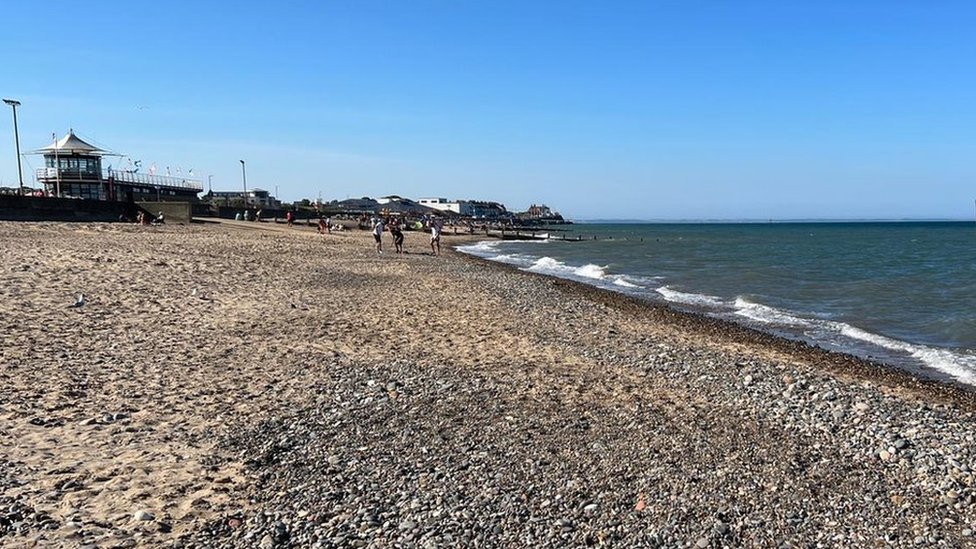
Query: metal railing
point(161, 181)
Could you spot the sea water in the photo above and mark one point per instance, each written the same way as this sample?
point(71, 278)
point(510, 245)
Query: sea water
point(900, 293)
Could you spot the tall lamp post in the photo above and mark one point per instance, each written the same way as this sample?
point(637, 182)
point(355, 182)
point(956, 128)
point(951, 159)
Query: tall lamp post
point(244, 177)
point(20, 173)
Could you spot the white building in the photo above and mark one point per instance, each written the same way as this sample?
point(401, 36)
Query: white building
point(460, 207)
point(259, 198)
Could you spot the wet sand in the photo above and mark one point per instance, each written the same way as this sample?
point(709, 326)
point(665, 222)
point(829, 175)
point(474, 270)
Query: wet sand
point(229, 386)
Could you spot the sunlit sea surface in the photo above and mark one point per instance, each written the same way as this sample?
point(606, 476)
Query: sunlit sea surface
point(900, 293)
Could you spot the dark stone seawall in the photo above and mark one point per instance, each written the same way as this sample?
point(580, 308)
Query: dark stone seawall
point(175, 212)
point(32, 208)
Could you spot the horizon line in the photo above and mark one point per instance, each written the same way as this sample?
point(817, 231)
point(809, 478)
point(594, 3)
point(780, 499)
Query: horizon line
point(610, 220)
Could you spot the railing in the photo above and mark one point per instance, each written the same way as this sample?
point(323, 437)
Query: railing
point(161, 181)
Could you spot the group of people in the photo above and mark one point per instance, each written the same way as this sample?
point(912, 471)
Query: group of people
point(325, 225)
point(380, 225)
point(247, 215)
point(396, 231)
point(142, 218)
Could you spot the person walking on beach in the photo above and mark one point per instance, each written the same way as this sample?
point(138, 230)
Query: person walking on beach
point(397, 233)
point(436, 227)
point(289, 217)
point(378, 235)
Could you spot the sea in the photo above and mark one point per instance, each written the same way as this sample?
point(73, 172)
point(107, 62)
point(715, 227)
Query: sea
point(900, 293)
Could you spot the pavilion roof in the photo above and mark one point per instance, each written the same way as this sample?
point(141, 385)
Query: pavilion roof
point(71, 144)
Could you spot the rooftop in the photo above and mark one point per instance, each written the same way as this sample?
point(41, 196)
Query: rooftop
point(71, 144)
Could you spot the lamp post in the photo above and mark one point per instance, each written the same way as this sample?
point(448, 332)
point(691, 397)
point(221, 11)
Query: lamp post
point(244, 178)
point(20, 173)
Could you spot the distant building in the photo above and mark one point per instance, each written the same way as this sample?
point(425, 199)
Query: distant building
point(394, 204)
point(359, 205)
point(259, 198)
point(73, 168)
point(459, 207)
point(539, 211)
point(468, 208)
point(487, 210)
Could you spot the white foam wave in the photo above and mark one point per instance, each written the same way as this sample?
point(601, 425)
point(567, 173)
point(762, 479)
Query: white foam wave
point(766, 314)
point(675, 296)
point(959, 365)
point(481, 249)
point(512, 259)
point(591, 271)
point(624, 282)
point(549, 265)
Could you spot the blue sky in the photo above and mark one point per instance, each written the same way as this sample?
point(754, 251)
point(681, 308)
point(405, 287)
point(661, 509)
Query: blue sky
point(640, 110)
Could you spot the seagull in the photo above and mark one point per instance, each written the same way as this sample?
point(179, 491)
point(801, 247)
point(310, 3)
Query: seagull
point(80, 302)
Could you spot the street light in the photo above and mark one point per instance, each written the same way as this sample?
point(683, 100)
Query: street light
point(244, 177)
point(20, 173)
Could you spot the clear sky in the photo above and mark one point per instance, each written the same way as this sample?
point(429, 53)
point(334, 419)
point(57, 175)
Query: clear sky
point(641, 110)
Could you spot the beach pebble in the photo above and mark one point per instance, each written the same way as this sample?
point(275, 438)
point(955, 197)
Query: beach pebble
point(143, 514)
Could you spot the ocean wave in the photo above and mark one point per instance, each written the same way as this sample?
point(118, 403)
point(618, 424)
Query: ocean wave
point(480, 249)
point(625, 282)
point(959, 365)
point(700, 300)
point(549, 265)
point(956, 364)
point(766, 314)
point(512, 259)
point(591, 271)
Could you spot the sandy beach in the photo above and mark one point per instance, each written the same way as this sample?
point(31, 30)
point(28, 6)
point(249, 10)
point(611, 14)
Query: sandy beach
point(253, 385)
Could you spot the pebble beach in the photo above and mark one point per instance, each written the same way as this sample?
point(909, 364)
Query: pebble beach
point(253, 385)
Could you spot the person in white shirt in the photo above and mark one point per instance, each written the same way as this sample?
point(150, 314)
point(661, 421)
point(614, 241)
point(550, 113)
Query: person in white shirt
point(436, 226)
point(378, 229)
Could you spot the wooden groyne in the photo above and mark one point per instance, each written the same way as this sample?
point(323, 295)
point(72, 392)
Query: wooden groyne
point(535, 234)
